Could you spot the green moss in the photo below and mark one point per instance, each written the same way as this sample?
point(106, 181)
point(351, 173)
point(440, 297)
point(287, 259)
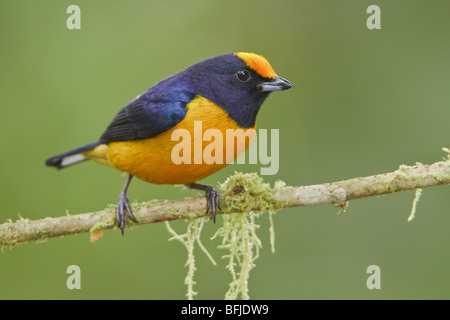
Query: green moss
point(106, 223)
point(245, 192)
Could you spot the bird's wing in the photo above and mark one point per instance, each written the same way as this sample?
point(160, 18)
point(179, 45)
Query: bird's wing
point(157, 110)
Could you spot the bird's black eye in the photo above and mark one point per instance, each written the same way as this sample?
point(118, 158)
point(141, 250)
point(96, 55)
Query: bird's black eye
point(243, 75)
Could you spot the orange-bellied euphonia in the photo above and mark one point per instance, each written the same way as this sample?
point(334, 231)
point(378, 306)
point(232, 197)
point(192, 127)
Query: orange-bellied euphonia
point(223, 92)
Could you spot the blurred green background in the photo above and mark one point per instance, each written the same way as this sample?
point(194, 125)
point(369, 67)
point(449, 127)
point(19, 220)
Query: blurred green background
point(365, 101)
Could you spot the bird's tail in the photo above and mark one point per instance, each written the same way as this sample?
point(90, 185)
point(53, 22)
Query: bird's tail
point(71, 157)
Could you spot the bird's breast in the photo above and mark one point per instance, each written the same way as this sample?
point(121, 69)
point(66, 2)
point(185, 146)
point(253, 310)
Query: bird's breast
point(205, 141)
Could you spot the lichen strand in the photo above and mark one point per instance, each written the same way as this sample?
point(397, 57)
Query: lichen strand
point(242, 194)
point(239, 238)
point(189, 240)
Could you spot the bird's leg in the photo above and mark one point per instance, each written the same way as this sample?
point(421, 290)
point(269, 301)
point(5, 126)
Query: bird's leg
point(124, 205)
point(212, 197)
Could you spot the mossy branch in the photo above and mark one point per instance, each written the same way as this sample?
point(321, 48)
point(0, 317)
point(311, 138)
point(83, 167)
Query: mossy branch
point(240, 193)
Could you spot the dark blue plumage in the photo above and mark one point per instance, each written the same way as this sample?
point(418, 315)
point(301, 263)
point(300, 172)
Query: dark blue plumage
point(153, 112)
point(164, 105)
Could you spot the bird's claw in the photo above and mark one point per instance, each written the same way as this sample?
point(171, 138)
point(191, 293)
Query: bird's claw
point(212, 201)
point(123, 205)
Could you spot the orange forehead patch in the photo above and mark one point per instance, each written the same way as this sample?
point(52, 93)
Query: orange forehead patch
point(258, 63)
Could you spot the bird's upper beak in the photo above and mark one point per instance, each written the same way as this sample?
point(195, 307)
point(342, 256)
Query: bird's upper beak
point(277, 84)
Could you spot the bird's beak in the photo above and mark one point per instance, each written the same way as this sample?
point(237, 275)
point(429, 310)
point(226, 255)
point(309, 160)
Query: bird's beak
point(277, 84)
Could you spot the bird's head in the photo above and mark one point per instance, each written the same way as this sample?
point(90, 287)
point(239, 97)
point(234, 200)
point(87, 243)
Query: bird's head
point(238, 82)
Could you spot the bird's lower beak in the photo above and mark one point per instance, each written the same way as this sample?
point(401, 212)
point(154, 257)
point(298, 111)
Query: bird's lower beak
point(277, 84)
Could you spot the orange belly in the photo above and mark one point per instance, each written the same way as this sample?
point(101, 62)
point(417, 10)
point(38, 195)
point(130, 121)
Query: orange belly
point(157, 159)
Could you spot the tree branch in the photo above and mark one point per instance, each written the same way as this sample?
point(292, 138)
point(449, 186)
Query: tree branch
point(240, 193)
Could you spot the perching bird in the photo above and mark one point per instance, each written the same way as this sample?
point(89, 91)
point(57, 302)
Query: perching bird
point(222, 92)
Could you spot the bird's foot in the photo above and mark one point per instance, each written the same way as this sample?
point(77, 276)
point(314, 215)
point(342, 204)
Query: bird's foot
point(123, 205)
point(212, 201)
point(212, 198)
